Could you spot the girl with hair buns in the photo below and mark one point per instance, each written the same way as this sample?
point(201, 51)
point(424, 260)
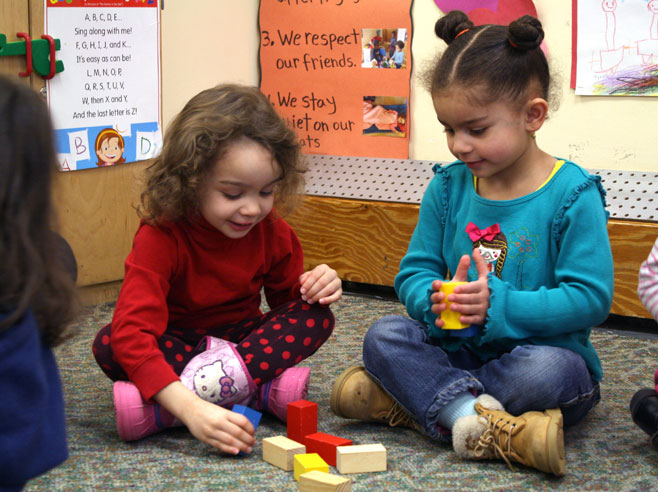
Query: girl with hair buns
point(529, 368)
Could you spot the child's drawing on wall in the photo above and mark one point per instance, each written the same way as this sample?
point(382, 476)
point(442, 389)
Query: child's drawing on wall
point(109, 148)
point(617, 48)
point(648, 48)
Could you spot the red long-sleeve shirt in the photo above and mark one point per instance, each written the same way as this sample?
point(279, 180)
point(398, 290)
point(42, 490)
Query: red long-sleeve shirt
point(189, 276)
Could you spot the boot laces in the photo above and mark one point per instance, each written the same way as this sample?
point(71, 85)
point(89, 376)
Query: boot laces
point(398, 416)
point(496, 439)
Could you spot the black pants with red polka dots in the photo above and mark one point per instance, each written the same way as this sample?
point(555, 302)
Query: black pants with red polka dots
point(268, 344)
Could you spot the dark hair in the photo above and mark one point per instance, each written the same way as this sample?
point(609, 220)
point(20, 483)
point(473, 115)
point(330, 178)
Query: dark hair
point(505, 61)
point(201, 133)
point(400, 44)
point(32, 271)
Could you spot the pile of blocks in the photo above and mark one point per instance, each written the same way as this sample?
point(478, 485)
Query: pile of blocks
point(309, 453)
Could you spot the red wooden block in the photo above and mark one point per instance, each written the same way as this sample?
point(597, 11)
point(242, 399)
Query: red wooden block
point(325, 445)
point(302, 419)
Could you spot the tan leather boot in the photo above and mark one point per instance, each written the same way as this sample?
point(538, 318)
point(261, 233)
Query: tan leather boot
point(356, 396)
point(533, 439)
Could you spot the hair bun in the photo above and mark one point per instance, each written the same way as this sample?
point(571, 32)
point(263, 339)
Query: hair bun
point(525, 33)
point(451, 25)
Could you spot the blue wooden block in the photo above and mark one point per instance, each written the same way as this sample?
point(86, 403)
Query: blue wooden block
point(253, 416)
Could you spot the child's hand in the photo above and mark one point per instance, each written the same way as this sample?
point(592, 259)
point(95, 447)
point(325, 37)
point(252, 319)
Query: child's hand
point(471, 299)
point(227, 431)
point(223, 429)
point(437, 302)
point(321, 285)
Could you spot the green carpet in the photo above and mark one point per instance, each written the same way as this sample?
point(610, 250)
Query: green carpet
point(605, 452)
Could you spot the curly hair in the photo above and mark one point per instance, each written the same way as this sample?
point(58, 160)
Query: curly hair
point(32, 264)
point(200, 134)
point(505, 61)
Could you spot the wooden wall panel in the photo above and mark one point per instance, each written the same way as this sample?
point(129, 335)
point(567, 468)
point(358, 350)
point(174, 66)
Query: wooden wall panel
point(365, 241)
point(97, 216)
point(14, 17)
point(631, 243)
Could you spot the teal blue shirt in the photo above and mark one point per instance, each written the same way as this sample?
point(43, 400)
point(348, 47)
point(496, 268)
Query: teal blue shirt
point(551, 275)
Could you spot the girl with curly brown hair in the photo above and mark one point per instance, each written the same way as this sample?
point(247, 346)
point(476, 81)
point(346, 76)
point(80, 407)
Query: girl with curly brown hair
point(188, 339)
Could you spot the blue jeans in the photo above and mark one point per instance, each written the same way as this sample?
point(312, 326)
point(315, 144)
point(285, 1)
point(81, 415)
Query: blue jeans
point(422, 377)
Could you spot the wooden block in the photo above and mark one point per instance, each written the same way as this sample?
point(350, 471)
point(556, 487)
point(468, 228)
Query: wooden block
point(317, 481)
point(360, 459)
point(253, 416)
point(308, 462)
point(302, 419)
point(280, 451)
point(325, 445)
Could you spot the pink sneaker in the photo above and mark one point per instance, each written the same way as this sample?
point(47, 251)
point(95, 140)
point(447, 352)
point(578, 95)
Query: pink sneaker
point(135, 417)
point(274, 396)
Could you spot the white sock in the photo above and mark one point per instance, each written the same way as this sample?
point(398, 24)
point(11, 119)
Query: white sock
point(463, 404)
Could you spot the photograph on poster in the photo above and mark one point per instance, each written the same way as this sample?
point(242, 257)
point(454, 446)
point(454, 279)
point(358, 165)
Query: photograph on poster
point(384, 48)
point(385, 115)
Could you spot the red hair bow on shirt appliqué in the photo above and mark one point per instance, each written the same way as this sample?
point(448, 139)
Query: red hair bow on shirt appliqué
point(487, 234)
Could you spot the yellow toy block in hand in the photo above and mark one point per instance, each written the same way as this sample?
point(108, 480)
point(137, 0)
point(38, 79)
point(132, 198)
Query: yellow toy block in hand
point(451, 318)
point(307, 462)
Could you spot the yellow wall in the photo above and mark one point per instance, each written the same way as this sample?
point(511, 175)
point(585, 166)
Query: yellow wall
point(206, 42)
point(597, 132)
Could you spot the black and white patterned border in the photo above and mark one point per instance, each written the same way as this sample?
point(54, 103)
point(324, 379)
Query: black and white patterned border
point(632, 195)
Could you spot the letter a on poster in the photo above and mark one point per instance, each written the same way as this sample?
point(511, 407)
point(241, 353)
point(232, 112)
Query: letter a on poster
point(338, 71)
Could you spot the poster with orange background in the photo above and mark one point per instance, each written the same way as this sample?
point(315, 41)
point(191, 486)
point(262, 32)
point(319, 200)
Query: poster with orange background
point(339, 72)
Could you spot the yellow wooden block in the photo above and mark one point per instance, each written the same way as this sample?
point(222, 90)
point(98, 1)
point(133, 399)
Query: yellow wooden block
point(361, 458)
point(317, 481)
point(308, 462)
point(280, 451)
point(451, 318)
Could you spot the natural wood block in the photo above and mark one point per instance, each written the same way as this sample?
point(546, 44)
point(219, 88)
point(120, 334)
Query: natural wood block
point(361, 458)
point(325, 445)
point(317, 481)
point(280, 451)
point(302, 419)
point(307, 462)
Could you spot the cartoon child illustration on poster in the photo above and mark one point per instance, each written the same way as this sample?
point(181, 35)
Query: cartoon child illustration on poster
point(492, 244)
point(109, 148)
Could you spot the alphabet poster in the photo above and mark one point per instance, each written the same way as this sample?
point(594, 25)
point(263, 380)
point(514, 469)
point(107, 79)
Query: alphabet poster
point(105, 105)
point(339, 72)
